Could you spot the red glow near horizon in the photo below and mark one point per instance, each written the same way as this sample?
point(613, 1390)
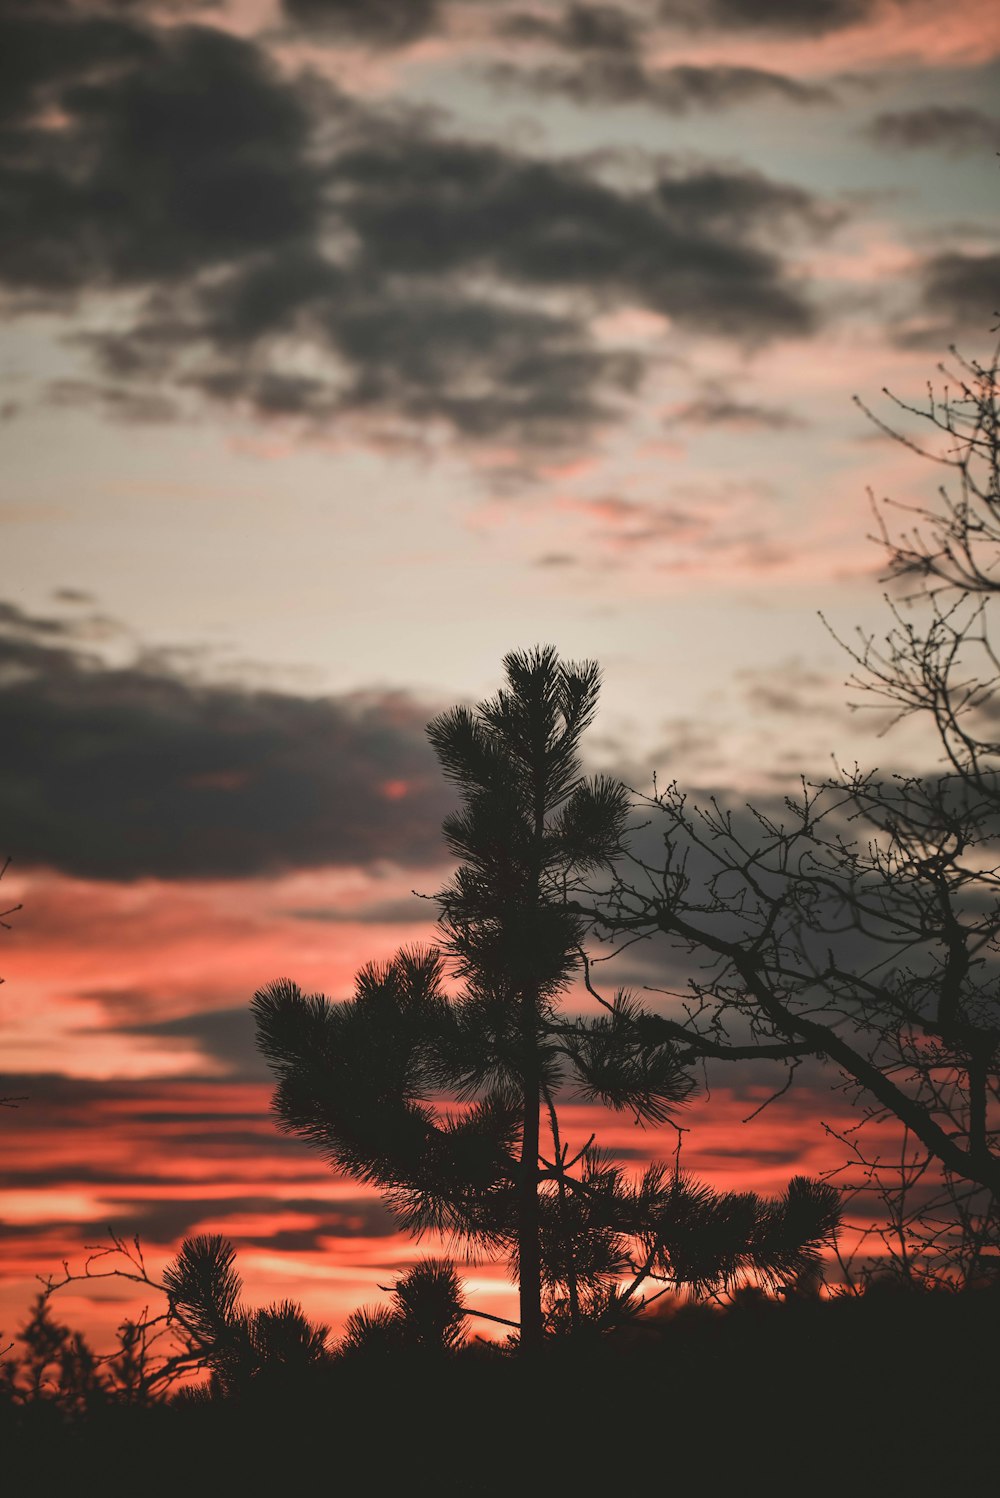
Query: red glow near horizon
point(164, 1159)
point(152, 1133)
point(156, 1134)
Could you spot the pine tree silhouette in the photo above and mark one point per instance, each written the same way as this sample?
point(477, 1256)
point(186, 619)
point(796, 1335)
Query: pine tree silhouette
point(356, 1078)
point(241, 1347)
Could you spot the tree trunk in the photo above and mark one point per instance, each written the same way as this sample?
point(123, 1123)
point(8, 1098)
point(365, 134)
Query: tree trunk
point(528, 1220)
point(529, 1248)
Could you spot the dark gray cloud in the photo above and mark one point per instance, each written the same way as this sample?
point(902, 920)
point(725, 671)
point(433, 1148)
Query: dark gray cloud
point(607, 49)
point(609, 28)
point(717, 409)
point(578, 28)
point(377, 23)
point(118, 773)
point(402, 327)
point(408, 909)
point(962, 289)
point(691, 245)
point(418, 269)
point(43, 52)
point(182, 150)
point(623, 79)
point(799, 17)
point(686, 87)
point(166, 1221)
point(936, 126)
point(222, 1035)
point(485, 369)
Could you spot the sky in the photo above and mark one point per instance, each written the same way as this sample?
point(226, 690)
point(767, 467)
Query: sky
point(346, 347)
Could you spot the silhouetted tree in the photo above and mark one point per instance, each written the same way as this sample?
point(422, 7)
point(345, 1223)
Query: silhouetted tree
point(863, 925)
point(239, 1346)
point(54, 1364)
point(204, 1327)
point(356, 1079)
point(427, 1315)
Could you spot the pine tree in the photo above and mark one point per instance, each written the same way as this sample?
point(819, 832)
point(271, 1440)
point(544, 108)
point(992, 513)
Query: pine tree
point(355, 1078)
point(242, 1348)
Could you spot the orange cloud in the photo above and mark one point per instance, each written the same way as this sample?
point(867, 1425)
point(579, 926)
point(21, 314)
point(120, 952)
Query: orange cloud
point(87, 962)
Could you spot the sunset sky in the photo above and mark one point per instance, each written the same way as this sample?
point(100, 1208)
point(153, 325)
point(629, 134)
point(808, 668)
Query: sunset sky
point(348, 345)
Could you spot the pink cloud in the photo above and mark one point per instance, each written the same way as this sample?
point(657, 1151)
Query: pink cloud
point(85, 959)
point(898, 33)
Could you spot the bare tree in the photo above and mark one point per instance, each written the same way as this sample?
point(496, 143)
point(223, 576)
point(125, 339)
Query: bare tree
point(861, 923)
point(937, 660)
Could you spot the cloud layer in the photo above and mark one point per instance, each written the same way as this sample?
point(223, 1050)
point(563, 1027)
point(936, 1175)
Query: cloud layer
point(600, 54)
point(936, 126)
point(130, 771)
point(267, 240)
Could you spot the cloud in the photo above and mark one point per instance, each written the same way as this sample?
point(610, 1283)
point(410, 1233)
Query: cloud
point(624, 525)
point(942, 127)
point(73, 1175)
point(791, 690)
point(485, 370)
point(608, 48)
point(145, 406)
point(704, 529)
point(407, 910)
point(693, 245)
point(405, 327)
point(167, 1220)
point(578, 28)
point(74, 596)
point(182, 149)
point(376, 23)
point(42, 54)
point(798, 17)
point(139, 770)
point(963, 289)
point(717, 409)
point(611, 28)
point(375, 267)
point(225, 1036)
point(624, 79)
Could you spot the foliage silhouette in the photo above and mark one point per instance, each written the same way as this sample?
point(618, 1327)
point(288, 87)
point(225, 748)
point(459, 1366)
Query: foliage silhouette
point(56, 1365)
point(358, 1079)
point(240, 1347)
point(204, 1329)
point(769, 1371)
point(427, 1315)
